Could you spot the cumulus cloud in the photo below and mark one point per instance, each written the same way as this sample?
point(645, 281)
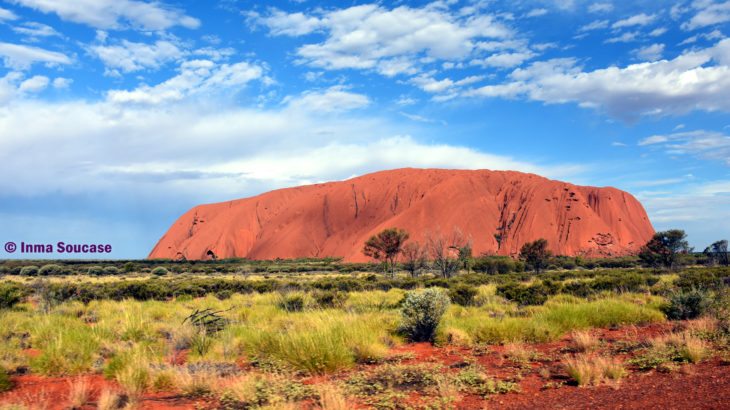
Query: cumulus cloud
point(641, 19)
point(196, 77)
point(708, 13)
point(14, 86)
point(114, 14)
point(536, 13)
point(696, 80)
point(389, 41)
point(33, 29)
point(600, 8)
point(129, 56)
point(704, 144)
point(21, 57)
point(594, 25)
point(6, 14)
point(211, 152)
point(333, 99)
point(650, 53)
point(281, 23)
point(34, 84)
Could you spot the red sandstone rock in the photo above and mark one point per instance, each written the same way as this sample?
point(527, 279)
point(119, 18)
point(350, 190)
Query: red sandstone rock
point(336, 218)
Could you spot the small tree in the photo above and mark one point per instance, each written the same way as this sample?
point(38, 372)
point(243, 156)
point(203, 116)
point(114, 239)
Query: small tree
point(663, 248)
point(718, 253)
point(386, 246)
point(536, 254)
point(465, 257)
point(415, 258)
point(445, 253)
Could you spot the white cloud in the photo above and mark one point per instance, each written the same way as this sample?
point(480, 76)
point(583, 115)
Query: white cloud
point(594, 25)
point(654, 139)
point(333, 99)
point(709, 13)
point(626, 37)
point(62, 83)
point(389, 41)
point(196, 77)
point(658, 32)
point(114, 14)
point(21, 57)
point(700, 208)
point(129, 56)
point(208, 151)
point(536, 13)
point(704, 144)
point(15, 87)
point(287, 24)
point(6, 14)
point(650, 53)
point(505, 60)
point(635, 20)
point(33, 29)
point(34, 84)
point(600, 8)
point(696, 80)
point(431, 85)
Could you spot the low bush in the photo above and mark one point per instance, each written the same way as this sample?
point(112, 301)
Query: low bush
point(5, 383)
point(586, 370)
point(463, 294)
point(10, 295)
point(291, 302)
point(535, 294)
point(29, 271)
point(160, 271)
point(690, 304)
point(330, 299)
point(52, 270)
point(421, 313)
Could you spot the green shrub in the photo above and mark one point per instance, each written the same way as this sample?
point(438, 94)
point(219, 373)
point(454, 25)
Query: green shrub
point(292, 302)
point(159, 271)
point(95, 271)
point(330, 299)
point(421, 313)
point(10, 295)
point(463, 295)
point(111, 270)
point(699, 279)
point(223, 294)
point(5, 383)
point(535, 294)
point(29, 270)
point(51, 270)
point(687, 304)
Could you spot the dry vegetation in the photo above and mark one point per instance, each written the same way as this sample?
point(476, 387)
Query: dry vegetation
point(324, 348)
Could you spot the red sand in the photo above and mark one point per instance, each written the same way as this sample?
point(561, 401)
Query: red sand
point(336, 218)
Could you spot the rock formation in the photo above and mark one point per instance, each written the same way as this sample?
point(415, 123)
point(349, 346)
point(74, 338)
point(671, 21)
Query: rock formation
point(336, 218)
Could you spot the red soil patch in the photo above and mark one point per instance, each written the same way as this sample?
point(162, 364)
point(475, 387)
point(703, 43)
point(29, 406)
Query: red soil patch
point(52, 393)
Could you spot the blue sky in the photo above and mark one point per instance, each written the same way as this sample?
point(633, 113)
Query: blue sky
point(116, 116)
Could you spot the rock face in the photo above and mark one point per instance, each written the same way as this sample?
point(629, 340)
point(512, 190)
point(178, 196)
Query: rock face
point(336, 218)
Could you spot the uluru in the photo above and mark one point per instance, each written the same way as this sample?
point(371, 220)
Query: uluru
point(334, 219)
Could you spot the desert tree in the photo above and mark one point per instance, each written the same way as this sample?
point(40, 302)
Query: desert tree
point(663, 248)
point(718, 252)
point(415, 258)
point(465, 257)
point(385, 246)
point(447, 251)
point(536, 254)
